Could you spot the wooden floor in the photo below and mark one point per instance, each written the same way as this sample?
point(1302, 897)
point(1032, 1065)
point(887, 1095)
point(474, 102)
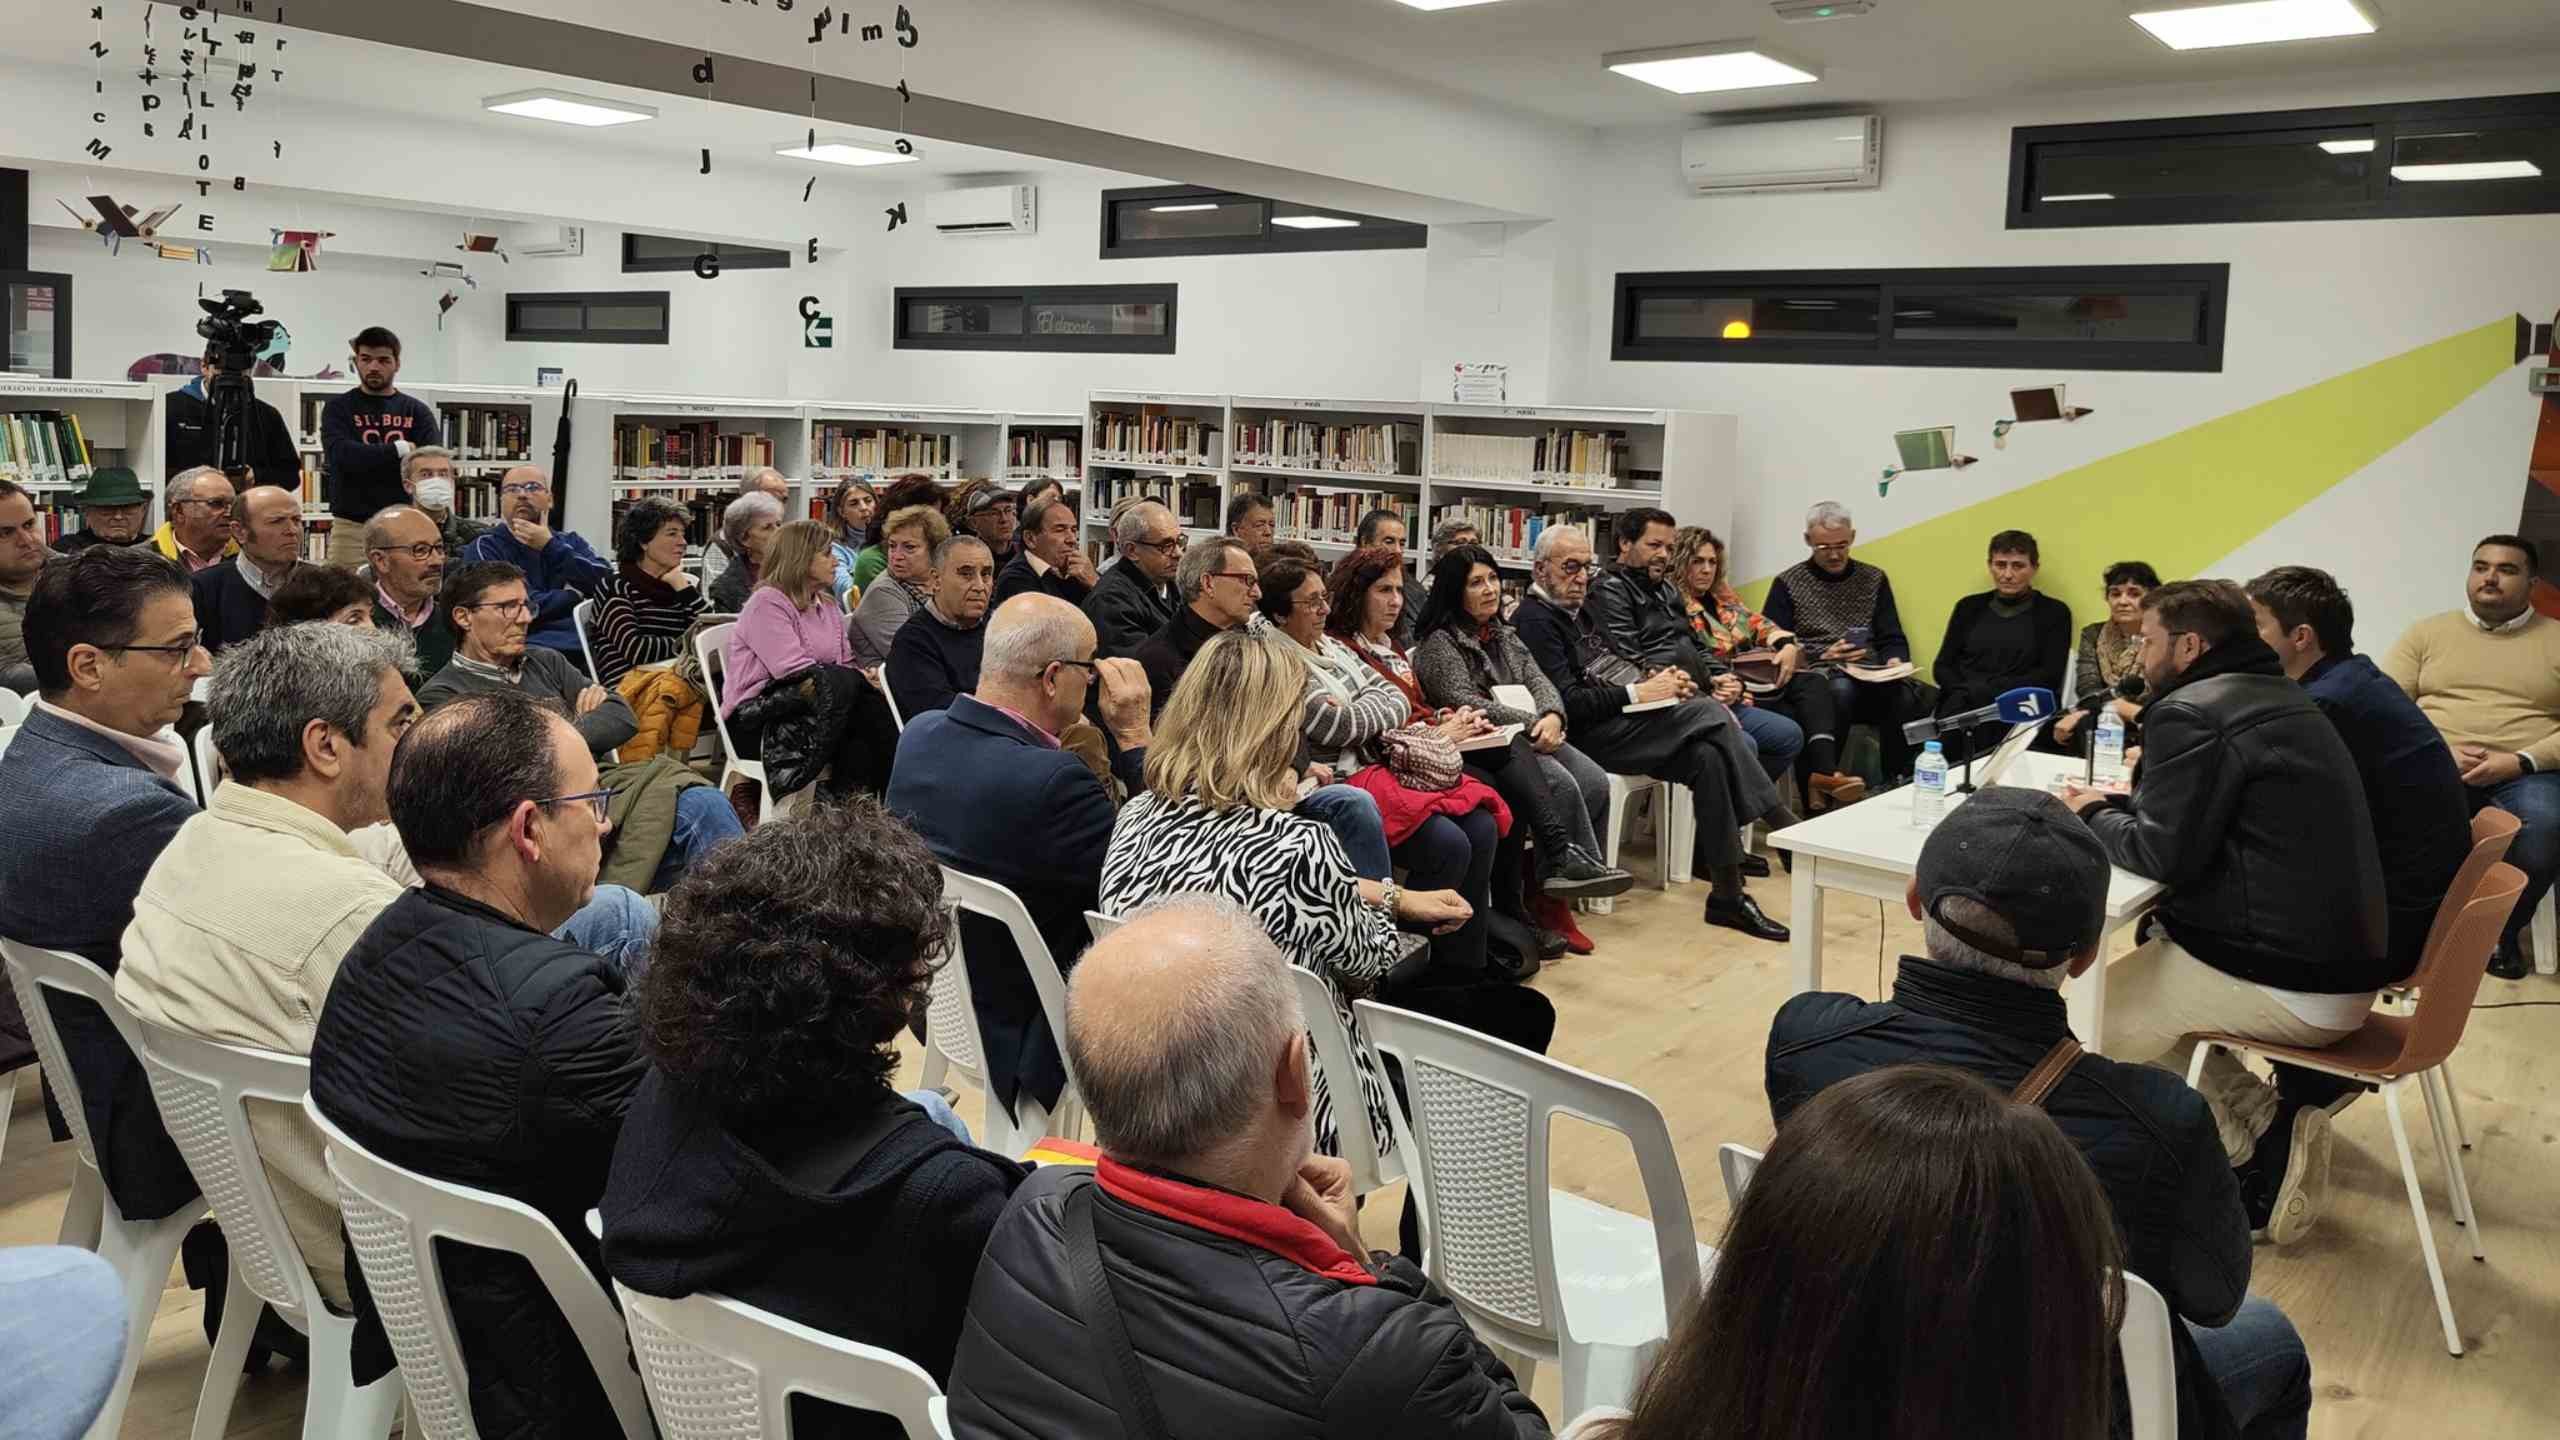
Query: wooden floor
point(1681, 1012)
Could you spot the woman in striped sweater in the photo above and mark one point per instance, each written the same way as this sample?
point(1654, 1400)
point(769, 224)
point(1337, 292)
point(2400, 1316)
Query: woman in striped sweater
point(646, 605)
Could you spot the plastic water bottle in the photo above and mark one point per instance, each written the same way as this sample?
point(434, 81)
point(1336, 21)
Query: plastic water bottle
point(1929, 786)
point(2107, 759)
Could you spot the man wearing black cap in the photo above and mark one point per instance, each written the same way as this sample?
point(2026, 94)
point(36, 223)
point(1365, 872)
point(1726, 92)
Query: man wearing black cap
point(112, 509)
point(2011, 894)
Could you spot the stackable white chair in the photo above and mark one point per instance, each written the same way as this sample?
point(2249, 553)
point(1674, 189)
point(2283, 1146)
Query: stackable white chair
point(208, 763)
point(7, 734)
point(711, 648)
point(13, 707)
point(1623, 789)
point(1100, 924)
point(1541, 1274)
point(2546, 933)
point(203, 1090)
point(1739, 1163)
point(892, 697)
point(140, 1250)
point(582, 615)
point(953, 1012)
point(394, 1217)
point(718, 1369)
point(1333, 1052)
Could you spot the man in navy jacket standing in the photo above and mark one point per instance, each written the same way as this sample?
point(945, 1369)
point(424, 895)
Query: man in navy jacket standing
point(364, 435)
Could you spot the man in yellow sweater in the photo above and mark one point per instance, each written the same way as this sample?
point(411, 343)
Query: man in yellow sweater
point(2488, 675)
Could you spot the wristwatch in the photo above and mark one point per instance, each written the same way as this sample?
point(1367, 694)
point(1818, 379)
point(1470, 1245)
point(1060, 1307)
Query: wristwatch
point(1393, 893)
point(2524, 762)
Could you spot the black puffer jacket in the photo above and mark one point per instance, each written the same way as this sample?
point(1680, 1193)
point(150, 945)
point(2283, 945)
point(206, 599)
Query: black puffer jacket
point(1280, 1335)
point(2248, 806)
point(463, 1045)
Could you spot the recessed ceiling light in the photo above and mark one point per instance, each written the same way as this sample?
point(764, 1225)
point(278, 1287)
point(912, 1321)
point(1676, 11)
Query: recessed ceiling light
point(845, 152)
point(1700, 69)
point(1315, 222)
point(2469, 170)
point(1443, 4)
point(567, 109)
point(2067, 199)
point(2348, 147)
point(1181, 209)
point(2217, 23)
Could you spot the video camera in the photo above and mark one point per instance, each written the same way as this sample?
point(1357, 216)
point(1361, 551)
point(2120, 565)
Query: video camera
point(235, 342)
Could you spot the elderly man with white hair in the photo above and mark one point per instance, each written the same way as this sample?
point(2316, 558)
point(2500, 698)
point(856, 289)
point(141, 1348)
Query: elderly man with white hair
point(1135, 597)
point(1209, 1215)
point(1841, 610)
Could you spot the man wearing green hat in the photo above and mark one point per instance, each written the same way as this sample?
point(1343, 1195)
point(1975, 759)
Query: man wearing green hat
point(112, 509)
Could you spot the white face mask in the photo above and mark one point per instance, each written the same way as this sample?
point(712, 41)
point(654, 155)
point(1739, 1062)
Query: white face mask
point(435, 492)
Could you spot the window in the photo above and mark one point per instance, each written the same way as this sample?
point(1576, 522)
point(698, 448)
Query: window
point(2495, 156)
point(609, 317)
point(1187, 220)
point(644, 254)
point(1126, 319)
point(2119, 317)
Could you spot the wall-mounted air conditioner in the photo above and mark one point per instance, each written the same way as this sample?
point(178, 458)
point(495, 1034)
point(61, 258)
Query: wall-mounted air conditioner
point(988, 210)
point(555, 240)
point(1839, 152)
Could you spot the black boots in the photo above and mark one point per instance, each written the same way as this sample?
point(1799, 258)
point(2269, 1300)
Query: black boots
point(1576, 874)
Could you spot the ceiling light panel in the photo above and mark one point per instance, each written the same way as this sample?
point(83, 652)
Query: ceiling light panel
point(844, 152)
point(1315, 222)
point(1706, 69)
point(565, 108)
point(2468, 170)
point(2348, 147)
point(2253, 22)
point(1443, 4)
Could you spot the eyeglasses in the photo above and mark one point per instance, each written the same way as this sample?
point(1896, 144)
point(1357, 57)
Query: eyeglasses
point(511, 609)
point(1840, 549)
point(185, 649)
point(218, 507)
point(523, 487)
point(1252, 583)
point(423, 550)
point(1087, 666)
point(1573, 569)
point(598, 801)
point(1168, 547)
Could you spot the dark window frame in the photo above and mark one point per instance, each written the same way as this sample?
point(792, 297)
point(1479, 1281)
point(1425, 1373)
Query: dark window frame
point(732, 257)
point(584, 299)
point(1167, 296)
point(2383, 199)
point(2210, 283)
point(1375, 232)
point(60, 282)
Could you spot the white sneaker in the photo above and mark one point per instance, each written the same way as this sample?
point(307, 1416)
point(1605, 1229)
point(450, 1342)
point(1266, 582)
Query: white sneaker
point(2306, 1177)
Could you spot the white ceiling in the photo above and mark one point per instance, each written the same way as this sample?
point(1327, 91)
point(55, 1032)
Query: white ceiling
point(1544, 55)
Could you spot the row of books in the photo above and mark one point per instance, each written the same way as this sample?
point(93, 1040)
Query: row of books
point(687, 452)
point(1332, 517)
point(474, 432)
point(1388, 449)
point(1511, 531)
point(1196, 503)
point(1153, 437)
point(43, 447)
point(840, 448)
point(1033, 455)
point(702, 505)
point(1558, 457)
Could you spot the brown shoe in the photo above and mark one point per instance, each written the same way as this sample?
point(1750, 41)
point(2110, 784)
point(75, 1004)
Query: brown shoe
point(1830, 792)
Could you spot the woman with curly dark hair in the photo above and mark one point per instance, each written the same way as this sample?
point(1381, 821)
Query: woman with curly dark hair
point(645, 606)
point(764, 1156)
point(322, 592)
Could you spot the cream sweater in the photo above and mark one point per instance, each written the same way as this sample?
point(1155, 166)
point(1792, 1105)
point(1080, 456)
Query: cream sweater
point(2498, 690)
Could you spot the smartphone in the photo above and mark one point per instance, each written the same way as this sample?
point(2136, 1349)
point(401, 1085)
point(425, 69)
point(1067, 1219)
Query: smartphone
point(1859, 636)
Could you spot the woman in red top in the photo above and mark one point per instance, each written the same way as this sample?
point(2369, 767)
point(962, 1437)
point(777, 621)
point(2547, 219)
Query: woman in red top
point(1733, 630)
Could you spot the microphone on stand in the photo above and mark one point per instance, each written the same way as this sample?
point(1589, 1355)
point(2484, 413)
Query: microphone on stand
point(2025, 705)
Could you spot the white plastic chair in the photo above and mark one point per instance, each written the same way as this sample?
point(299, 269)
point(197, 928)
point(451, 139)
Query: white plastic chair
point(1100, 924)
point(718, 1369)
point(140, 1250)
point(891, 695)
point(953, 1012)
point(2546, 933)
point(711, 648)
point(1739, 1163)
point(394, 1218)
point(203, 1089)
point(208, 763)
point(582, 615)
point(13, 707)
point(1370, 1170)
point(7, 734)
point(1540, 1273)
point(1667, 842)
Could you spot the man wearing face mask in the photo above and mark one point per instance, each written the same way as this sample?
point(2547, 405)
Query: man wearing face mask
point(426, 473)
point(365, 435)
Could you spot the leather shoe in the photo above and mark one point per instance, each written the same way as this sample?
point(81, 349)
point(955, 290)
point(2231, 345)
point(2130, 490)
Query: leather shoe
point(1577, 874)
point(2508, 963)
point(1552, 945)
point(1756, 866)
point(1741, 912)
point(1830, 792)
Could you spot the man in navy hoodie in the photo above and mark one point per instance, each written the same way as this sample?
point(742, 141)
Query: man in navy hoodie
point(560, 569)
point(364, 436)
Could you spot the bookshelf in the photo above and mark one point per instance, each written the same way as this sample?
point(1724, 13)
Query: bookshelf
point(1044, 445)
point(1515, 470)
point(694, 450)
point(54, 432)
point(1324, 463)
point(1170, 447)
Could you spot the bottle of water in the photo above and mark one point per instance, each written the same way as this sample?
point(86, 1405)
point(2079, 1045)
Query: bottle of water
point(1929, 786)
point(2107, 759)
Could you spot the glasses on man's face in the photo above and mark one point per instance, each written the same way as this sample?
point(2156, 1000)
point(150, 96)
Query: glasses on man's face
point(1170, 547)
point(1087, 666)
point(598, 802)
point(522, 487)
point(423, 551)
point(1252, 583)
point(185, 649)
point(1839, 548)
point(508, 609)
point(1573, 569)
point(218, 507)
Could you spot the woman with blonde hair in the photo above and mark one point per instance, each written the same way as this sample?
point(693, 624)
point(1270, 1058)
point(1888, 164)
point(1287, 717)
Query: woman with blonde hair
point(790, 672)
point(908, 537)
point(1729, 628)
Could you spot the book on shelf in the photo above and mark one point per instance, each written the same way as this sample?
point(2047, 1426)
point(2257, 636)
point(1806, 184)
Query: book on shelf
point(1511, 531)
point(1381, 449)
point(877, 449)
point(1155, 437)
point(43, 447)
point(1028, 457)
point(1332, 517)
point(702, 505)
point(1554, 457)
point(480, 432)
point(685, 452)
point(1198, 504)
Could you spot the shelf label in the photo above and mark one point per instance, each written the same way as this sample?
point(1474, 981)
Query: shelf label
point(60, 390)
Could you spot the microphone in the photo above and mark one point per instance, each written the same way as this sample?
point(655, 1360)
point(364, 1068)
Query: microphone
point(2024, 705)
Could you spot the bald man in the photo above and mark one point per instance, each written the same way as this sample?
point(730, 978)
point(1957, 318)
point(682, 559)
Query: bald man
point(1209, 1203)
point(231, 598)
point(404, 549)
point(560, 568)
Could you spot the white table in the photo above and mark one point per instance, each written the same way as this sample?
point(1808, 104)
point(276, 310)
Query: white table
point(1872, 848)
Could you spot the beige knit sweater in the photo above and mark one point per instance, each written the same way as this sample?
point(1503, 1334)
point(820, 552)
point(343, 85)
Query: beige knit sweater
point(2498, 690)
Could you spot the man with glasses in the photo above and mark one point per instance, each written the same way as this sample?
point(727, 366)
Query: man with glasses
point(406, 554)
point(1134, 598)
point(1843, 613)
point(1051, 562)
point(670, 815)
point(995, 515)
point(198, 533)
point(1220, 591)
point(231, 598)
point(936, 654)
point(987, 784)
point(560, 568)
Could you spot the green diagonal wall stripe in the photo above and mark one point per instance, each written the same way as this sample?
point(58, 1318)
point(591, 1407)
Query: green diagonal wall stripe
point(2181, 502)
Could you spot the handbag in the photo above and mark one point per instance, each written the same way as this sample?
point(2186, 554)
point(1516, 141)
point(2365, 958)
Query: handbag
point(1421, 758)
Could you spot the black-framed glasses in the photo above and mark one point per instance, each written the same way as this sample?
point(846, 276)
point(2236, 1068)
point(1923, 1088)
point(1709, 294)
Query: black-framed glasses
point(598, 801)
point(1251, 580)
point(1572, 569)
point(511, 609)
point(1170, 546)
point(422, 551)
point(185, 648)
point(1087, 666)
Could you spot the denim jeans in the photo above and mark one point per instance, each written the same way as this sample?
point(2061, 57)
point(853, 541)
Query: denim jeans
point(2535, 800)
point(932, 1103)
point(1348, 811)
point(62, 1327)
point(2263, 1370)
point(617, 924)
point(1778, 739)
point(704, 818)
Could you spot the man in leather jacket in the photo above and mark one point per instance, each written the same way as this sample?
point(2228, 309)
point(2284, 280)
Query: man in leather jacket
point(1646, 622)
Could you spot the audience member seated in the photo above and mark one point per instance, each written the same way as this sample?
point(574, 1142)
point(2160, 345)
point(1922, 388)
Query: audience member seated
point(240, 924)
point(1694, 743)
point(1191, 1051)
point(988, 509)
point(94, 796)
point(462, 1041)
point(1218, 587)
point(408, 564)
point(1842, 611)
point(2011, 895)
point(2008, 636)
point(1729, 629)
point(1448, 535)
point(645, 608)
point(849, 511)
point(2488, 675)
point(23, 555)
point(1251, 522)
point(2274, 921)
point(1135, 598)
point(1217, 818)
point(790, 692)
point(559, 569)
point(746, 531)
point(764, 1157)
point(668, 817)
point(2108, 672)
point(1051, 561)
point(873, 558)
point(937, 651)
point(198, 533)
point(904, 585)
point(1918, 1258)
point(113, 508)
point(426, 474)
point(1380, 527)
point(765, 481)
point(1035, 490)
point(1641, 616)
point(327, 594)
point(62, 1325)
point(231, 598)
